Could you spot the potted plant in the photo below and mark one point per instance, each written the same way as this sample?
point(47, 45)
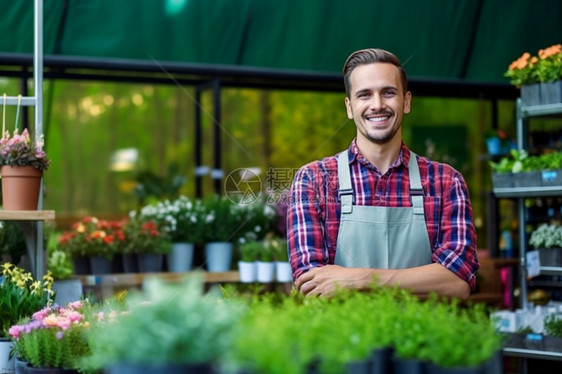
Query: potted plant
point(22, 163)
point(247, 265)
point(265, 265)
point(182, 219)
point(539, 77)
point(148, 240)
point(549, 71)
point(547, 239)
point(53, 339)
point(283, 271)
point(522, 73)
point(552, 332)
point(166, 328)
point(20, 296)
point(66, 287)
point(96, 240)
point(223, 226)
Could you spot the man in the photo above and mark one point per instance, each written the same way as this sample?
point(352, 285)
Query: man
point(377, 212)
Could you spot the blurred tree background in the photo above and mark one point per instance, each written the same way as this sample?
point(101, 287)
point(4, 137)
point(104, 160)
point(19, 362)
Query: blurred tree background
point(114, 146)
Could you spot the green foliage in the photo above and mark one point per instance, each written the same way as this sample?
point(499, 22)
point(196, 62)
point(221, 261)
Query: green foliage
point(60, 265)
point(165, 324)
point(183, 218)
point(279, 248)
point(12, 240)
point(291, 334)
point(521, 161)
point(21, 295)
point(553, 325)
point(546, 236)
point(224, 220)
point(249, 251)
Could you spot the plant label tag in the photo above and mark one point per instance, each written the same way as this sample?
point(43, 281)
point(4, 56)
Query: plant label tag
point(533, 264)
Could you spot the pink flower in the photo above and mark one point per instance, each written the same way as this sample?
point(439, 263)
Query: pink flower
point(15, 331)
point(40, 315)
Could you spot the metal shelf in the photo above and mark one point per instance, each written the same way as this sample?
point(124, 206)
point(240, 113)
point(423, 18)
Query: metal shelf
point(539, 191)
point(542, 110)
point(551, 270)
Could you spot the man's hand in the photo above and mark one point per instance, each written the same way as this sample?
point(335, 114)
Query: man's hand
point(323, 281)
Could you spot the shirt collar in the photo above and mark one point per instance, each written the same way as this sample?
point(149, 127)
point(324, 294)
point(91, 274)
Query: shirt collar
point(354, 155)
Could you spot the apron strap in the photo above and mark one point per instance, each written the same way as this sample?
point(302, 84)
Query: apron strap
point(416, 190)
point(345, 192)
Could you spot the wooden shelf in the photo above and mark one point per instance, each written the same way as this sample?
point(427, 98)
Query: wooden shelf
point(127, 280)
point(27, 215)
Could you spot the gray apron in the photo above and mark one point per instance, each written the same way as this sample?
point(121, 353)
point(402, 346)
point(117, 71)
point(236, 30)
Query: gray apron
point(381, 237)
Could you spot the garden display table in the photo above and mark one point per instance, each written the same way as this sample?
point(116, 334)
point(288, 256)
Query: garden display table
point(108, 285)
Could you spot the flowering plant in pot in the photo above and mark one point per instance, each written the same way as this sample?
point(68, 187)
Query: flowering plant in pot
point(21, 155)
point(547, 239)
point(94, 238)
point(21, 295)
point(182, 219)
point(54, 337)
point(149, 240)
point(21, 150)
point(167, 327)
point(540, 78)
point(523, 70)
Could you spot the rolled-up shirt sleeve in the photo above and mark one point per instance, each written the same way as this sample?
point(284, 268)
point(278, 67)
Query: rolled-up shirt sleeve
point(456, 249)
point(305, 226)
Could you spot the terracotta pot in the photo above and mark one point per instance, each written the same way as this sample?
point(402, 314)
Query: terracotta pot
point(20, 187)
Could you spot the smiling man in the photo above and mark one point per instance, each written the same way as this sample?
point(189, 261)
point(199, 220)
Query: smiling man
point(377, 212)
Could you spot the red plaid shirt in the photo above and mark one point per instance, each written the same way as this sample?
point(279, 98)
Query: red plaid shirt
point(313, 216)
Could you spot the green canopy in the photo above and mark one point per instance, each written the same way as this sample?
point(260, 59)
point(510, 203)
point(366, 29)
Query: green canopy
point(467, 40)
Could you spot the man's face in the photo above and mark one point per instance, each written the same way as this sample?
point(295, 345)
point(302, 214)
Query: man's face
point(377, 102)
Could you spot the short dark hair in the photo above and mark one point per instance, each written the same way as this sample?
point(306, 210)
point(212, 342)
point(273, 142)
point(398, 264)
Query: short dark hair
point(370, 56)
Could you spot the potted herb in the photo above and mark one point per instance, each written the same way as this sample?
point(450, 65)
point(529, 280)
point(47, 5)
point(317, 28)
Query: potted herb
point(53, 338)
point(283, 271)
point(20, 297)
point(265, 264)
point(166, 328)
point(248, 256)
point(148, 240)
point(22, 163)
point(547, 239)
